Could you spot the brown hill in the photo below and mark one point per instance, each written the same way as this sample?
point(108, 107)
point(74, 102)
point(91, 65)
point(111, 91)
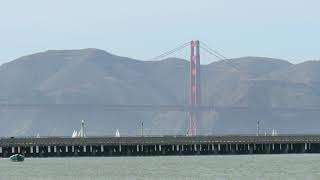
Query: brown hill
point(92, 76)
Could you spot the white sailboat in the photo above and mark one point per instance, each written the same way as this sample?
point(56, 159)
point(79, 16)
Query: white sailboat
point(80, 133)
point(74, 134)
point(274, 132)
point(117, 133)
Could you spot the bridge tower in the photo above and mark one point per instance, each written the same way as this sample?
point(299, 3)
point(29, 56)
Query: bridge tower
point(195, 88)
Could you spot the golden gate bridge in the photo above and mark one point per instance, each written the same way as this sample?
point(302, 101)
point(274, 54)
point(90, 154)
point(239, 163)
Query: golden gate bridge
point(194, 108)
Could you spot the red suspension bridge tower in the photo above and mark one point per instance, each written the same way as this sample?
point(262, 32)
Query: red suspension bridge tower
point(195, 106)
point(195, 88)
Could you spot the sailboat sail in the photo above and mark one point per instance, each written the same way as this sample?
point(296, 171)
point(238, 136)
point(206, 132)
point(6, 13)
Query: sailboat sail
point(117, 133)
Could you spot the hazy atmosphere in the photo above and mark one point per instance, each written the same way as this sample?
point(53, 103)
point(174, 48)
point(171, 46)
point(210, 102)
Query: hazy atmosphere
point(91, 53)
point(159, 89)
point(286, 29)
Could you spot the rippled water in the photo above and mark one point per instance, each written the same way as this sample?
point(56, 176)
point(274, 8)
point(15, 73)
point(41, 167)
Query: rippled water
point(301, 166)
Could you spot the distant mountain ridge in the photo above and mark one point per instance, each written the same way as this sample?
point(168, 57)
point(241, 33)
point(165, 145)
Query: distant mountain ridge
point(93, 76)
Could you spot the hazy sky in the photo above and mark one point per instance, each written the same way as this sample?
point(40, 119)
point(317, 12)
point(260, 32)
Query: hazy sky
point(288, 29)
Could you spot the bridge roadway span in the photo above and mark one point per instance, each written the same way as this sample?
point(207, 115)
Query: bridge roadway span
point(161, 145)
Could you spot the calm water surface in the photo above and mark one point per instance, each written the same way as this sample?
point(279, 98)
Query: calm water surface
point(301, 166)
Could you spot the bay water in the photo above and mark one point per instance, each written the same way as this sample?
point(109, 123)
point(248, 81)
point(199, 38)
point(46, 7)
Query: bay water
point(289, 166)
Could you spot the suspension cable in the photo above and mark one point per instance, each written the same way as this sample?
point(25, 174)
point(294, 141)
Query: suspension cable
point(167, 53)
point(214, 51)
point(218, 55)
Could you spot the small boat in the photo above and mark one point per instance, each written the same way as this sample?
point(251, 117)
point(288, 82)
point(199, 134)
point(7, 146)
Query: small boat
point(17, 158)
point(117, 133)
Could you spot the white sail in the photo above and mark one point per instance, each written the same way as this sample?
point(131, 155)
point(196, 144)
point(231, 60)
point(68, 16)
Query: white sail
point(117, 133)
point(74, 133)
point(80, 133)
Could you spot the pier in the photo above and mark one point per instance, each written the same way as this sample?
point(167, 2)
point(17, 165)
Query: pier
point(159, 145)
